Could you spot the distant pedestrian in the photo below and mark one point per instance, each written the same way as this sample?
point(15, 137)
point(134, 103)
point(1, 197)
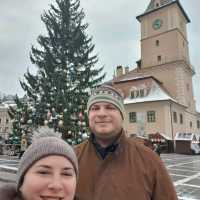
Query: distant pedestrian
point(47, 170)
point(157, 148)
point(23, 145)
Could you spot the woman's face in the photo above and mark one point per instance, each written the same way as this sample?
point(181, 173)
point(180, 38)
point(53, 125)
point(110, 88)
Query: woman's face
point(51, 178)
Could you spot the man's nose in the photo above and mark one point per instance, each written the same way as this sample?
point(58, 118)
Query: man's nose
point(102, 111)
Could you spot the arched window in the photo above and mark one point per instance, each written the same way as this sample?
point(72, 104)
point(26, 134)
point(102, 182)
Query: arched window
point(159, 58)
point(138, 92)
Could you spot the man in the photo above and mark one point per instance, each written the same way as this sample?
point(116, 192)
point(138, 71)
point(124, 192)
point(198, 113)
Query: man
point(113, 166)
point(23, 145)
point(157, 149)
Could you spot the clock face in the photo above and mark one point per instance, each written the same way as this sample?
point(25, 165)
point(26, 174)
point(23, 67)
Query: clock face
point(157, 24)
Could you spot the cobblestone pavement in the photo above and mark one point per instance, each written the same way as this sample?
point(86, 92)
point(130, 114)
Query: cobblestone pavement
point(185, 173)
point(184, 170)
point(7, 161)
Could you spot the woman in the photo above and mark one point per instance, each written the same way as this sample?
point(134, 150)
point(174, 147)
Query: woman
point(48, 170)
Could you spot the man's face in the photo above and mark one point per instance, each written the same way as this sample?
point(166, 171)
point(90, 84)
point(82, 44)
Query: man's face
point(105, 120)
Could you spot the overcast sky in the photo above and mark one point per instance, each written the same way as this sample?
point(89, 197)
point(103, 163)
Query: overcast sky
point(115, 31)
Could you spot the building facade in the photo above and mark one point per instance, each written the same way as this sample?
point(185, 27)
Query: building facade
point(158, 94)
point(5, 122)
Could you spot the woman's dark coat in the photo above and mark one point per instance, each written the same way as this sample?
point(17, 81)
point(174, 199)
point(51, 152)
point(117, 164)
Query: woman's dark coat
point(8, 192)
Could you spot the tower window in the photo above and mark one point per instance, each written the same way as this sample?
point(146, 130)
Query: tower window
point(188, 86)
point(198, 124)
point(159, 58)
point(157, 42)
point(157, 4)
point(181, 119)
point(175, 117)
point(190, 124)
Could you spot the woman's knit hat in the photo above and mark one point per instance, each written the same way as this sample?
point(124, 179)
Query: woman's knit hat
point(106, 93)
point(45, 143)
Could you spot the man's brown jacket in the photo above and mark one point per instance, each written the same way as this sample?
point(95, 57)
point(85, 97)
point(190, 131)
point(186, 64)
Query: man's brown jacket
point(131, 172)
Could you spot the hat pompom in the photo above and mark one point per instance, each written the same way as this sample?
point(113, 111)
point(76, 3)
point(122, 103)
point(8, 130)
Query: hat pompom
point(45, 132)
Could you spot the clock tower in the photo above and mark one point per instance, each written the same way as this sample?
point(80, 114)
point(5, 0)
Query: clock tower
point(164, 49)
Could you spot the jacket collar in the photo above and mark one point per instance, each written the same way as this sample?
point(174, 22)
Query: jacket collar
point(115, 146)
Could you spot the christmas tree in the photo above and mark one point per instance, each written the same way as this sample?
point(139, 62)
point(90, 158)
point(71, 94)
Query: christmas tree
point(66, 71)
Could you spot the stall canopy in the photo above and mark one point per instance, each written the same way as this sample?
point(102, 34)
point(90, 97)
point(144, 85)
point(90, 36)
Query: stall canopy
point(165, 141)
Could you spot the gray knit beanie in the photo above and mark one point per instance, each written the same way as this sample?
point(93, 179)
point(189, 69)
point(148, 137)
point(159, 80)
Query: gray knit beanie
point(45, 143)
point(106, 93)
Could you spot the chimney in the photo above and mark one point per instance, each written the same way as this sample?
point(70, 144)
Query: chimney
point(126, 70)
point(139, 63)
point(119, 71)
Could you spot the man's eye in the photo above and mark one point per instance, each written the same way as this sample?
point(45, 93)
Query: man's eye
point(111, 108)
point(94, 108)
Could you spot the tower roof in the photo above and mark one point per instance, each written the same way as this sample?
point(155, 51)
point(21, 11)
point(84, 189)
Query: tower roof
point(155, 4)
point(159, 4)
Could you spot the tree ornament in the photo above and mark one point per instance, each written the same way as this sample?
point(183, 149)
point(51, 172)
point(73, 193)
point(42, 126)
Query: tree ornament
point(80, 115)
point(69, 132)
point(85, 136)
point(46, 122)
point(48, 104)
point(83, 124)
point(29, 121)
point(60, 123)
point(49, 115)
point(22, 120)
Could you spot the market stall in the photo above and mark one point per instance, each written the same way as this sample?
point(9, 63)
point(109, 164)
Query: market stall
point(187, 143)
point(165, 142)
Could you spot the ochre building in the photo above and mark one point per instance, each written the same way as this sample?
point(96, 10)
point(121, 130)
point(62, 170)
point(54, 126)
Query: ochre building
point(158, 93)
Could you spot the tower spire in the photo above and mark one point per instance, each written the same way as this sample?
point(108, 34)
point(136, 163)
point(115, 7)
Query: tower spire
point(157, 3)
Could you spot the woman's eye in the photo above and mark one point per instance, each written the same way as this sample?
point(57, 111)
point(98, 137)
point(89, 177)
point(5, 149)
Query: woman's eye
point(43, 172)
point(68, 173)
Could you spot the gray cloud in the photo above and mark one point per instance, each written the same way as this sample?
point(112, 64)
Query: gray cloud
point(115, 31)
